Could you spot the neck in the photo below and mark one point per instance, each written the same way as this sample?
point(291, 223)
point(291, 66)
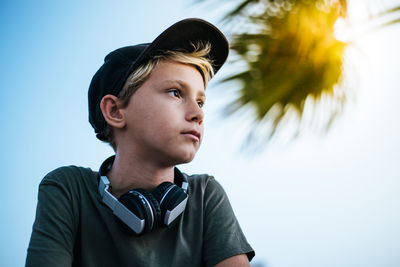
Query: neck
point(130, 171)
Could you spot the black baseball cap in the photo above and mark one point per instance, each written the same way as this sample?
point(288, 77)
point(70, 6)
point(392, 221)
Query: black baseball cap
point(120, 63)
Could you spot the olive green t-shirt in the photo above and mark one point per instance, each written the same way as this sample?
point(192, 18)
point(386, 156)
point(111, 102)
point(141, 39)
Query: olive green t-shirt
point(73, 227)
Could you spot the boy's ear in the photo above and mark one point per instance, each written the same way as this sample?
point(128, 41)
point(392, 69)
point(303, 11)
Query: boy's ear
point(111, 108)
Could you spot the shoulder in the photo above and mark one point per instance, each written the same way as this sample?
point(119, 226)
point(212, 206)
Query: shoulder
point(199, 179)
point(202, 182)
point(205, 186)
point(68, 177)
point(71, 182)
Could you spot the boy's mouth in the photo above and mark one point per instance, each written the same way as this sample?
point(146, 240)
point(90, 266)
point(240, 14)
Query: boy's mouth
point(194, 134)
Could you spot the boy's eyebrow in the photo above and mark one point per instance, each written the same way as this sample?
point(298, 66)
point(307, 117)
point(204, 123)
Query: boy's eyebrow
point(185, 86)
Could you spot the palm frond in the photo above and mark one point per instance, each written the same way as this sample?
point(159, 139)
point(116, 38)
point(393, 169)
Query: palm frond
point(292, 57)
point(292, 60)
point(239, 9)
point(386, 12)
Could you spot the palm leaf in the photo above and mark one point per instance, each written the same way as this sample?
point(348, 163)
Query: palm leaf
point(293, 62)
point(293, 56)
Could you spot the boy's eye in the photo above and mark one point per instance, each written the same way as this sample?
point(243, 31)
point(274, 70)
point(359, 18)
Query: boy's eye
point(174, 92)
point(200, 103)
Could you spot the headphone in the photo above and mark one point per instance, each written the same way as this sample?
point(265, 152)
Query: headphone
point(143, 211)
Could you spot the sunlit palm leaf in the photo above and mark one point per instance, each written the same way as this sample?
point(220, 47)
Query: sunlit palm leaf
point(293, 55)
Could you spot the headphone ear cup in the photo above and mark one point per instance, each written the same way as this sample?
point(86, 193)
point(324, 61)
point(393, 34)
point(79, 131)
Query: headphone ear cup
point(160, 191)
point(155, 208)
point(144, 206)
point(169, 196)
point(132, 202)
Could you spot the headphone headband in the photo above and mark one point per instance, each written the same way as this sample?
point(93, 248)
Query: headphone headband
point(179, 178)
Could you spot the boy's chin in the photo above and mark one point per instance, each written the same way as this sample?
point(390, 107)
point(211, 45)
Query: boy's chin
point(183, 158)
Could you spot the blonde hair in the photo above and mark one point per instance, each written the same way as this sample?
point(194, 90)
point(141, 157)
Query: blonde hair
point(198, 58)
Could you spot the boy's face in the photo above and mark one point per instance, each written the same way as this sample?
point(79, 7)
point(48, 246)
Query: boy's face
point(164, 118)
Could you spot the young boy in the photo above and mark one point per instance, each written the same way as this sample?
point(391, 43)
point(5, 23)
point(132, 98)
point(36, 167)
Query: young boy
point(139, 210)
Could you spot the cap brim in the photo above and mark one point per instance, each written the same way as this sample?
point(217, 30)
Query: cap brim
point(182, 35)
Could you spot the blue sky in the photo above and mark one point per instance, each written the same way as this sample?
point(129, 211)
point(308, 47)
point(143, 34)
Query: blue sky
point(323, 200)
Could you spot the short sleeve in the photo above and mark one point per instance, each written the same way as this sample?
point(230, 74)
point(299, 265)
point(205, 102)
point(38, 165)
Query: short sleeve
point(52, 237)
point(223, 237)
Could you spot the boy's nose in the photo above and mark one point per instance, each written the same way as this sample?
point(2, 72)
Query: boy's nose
point(195, 113)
